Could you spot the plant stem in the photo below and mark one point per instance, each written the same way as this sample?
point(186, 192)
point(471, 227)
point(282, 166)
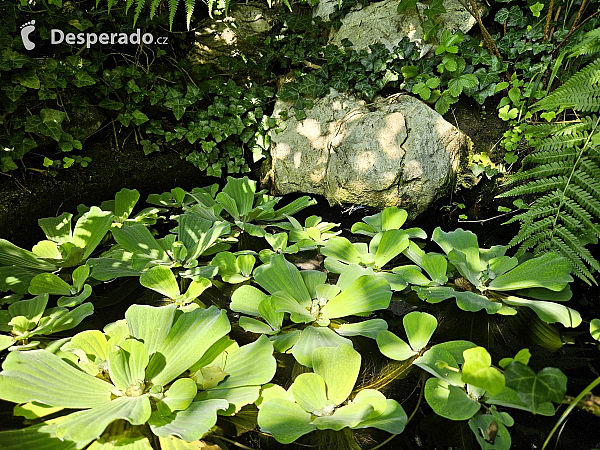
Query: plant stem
point(574, 403)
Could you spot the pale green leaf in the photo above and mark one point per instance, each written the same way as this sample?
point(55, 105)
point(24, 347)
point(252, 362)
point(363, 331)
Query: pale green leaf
point(477, 371)
point(339, 367)
point(419, 328)
point(285, 420)
point(312, 338)
point(449, 401)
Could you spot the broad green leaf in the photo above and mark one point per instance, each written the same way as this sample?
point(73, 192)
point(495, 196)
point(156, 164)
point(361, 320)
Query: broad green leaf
point(90, 423)
point(310, 393)
point(60, 319)
point(281, 275)
point(522, 356)
point(34, 410)
point(509, 398)
point(57, 229)
point(393, 419)
point(38, 437)
point(367, 328)
point(79, 276)
point(392, 243)
point(347, 416)
point(104, 269)
point(595, 329)
point(20, 381)
point(242, 191)
point(419, 328)
point(151, 325)
point(285, 420)
point(11, 255)
point(189, 424)
point(125, 201)
point(440, 363)
point(462, 241)
point(312, 338)
point(366, 294)
point(339, 367)
point(47, 249)
point(549, 271)
point(236, 397)
point(77, 299)
point(255, 326)
point(33, 308)
point(5, 342)
point(251, 364)
point(547, 311)
point(191, 335)
point(127, 365)
point(199, 234)
point(137, 238)
point(341, 249)
point(393, 347)
point(477, 370)
point(179, 396)
point(449, 401)
point(48, 283)
point(549, 384)
point(90, 229)
point(375, 398)
point(282, 342)
point(246, 299)
point(283, 302)
point(161, 280)
point(435, 266)
point(91, 342)
point(482, 425)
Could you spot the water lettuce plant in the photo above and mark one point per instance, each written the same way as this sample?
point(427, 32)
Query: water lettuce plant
point(241, 204)
point(28, 322)
point(159, 368)
point(312, 305)
point(464, 380)
point(64, 247)
point(488, 279)
point(319, 400)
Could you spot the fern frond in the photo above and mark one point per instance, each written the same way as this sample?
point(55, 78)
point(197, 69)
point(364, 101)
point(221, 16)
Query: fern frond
point(153, 7)
point(584, 198)
point(189, 10)
point(589, 45)
point(531, 231)
point(582, 215)
point(548, 156)
point(172, 9)
point(576, 262)
point(562, 141)
point(541, 171)
point(536, 186)
point(585, 181)
point(128, 5)
point(570, 93)
point(138, 10)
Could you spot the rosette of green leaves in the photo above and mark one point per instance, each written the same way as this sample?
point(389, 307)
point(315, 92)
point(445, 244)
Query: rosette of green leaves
point(138, 250)
point(279, 245)
point(374, 256)
point(157, 369)
point(234, 267)
point(244, 206)
point(488, 279)
point(70, 295)
point(464, 379)
point(64, 247)
point(313, 306)
point(391, 218)
point(28, 322)
point(319, 400)
point(314, 233)
point(122, 207)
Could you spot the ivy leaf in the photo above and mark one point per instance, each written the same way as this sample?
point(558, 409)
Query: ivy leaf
point(29, 79)
point(536, 9)
point(139, 117)
point(83, 79)
point(501, 15)
point(535, 390)
point(312, 87)
point(406, 4)
point(178, 105)
point(13, 59)
point(14, 92)
point(436, 7)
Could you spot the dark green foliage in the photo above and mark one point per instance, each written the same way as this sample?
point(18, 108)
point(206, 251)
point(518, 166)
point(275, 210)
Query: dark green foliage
point(564, 174)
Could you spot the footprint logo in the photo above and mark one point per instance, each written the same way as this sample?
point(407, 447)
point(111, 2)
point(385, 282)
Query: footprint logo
point(26, 30)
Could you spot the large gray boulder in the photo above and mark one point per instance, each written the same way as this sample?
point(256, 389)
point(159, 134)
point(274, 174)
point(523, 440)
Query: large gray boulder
point(396, 151)
point(380, 23)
